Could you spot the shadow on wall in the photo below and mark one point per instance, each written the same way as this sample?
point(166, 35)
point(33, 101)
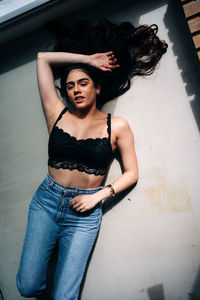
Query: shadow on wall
point(195, 293)
point(184, 50)
point(1, 294)
point(156, 292)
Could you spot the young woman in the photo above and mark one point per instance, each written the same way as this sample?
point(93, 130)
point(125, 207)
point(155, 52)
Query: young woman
point(67, 206)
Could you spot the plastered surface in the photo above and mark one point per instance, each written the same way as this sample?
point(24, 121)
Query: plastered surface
point(148, 246)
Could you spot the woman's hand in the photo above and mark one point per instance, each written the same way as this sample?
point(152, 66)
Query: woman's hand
point(104, 61)
point(83, 203)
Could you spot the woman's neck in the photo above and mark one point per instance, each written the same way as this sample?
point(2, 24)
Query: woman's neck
point(88, 113)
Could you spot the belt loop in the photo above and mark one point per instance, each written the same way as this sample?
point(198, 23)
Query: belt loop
point(51, 185)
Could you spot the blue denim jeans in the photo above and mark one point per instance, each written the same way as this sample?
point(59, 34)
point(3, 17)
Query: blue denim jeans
point(51, 221)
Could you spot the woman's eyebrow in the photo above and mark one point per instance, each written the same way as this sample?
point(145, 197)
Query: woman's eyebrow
point(72, 82)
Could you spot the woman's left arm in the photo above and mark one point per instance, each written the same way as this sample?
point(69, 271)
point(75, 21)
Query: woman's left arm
point(125, 144)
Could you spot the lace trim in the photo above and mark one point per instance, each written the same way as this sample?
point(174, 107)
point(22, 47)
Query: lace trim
point(108, 127)
point(71, 165)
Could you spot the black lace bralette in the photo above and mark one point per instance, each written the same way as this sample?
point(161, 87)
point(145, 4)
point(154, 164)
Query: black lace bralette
point(91, 155)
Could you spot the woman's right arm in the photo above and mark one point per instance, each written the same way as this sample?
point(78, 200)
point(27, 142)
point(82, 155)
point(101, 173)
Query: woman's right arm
point(51, 101)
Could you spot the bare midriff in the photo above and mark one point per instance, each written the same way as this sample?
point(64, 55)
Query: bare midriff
point(75, 178)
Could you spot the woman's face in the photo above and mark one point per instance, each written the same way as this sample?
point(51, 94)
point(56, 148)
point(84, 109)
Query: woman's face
point(80, 89)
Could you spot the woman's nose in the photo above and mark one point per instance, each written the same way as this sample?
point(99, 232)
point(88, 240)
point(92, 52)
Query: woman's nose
point(76, 89)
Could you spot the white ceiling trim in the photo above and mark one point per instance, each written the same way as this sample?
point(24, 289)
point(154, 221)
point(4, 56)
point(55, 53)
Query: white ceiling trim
point(13, 8)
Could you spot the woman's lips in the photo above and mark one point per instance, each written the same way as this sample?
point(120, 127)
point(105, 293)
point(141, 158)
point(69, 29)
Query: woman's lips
point(79, 99)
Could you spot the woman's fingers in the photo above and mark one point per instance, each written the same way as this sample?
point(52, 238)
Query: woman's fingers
point(106, 69)
point(110, 66)
point(113, 66)
point(74, 203)
point(105, 61)
point(111, 57)
point(109, 69)
point(82, 203)
point(109, 53)
point(77, 205)
point(113, 62)
point(81, 209)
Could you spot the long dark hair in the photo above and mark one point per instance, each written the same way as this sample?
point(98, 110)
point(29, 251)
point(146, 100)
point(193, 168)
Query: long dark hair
point(137, 49)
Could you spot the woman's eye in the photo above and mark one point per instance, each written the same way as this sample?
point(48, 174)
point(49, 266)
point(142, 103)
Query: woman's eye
point(83, 84)
point(69, 87)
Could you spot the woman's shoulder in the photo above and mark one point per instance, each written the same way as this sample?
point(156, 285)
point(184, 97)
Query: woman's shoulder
point(120, 127)
point(119, 123)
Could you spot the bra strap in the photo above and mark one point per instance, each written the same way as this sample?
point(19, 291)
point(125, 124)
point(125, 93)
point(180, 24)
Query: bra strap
point(60, 115)
point(109, 125)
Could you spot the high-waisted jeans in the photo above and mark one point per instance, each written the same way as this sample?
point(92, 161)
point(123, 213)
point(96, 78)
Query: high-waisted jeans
point(51, 221)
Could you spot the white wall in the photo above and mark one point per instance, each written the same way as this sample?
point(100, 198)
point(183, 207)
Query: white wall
point(148, 246)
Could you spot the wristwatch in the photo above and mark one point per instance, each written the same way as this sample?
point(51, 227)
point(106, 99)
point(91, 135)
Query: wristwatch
point(112, 191)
